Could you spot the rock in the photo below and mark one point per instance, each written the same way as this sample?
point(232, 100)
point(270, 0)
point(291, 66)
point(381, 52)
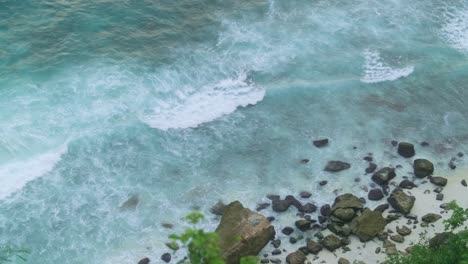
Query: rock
point(242, 232)
point(382, 208)
point(377, 250)
point(313, 247)
point(336, 166)
point(343, 261)
point(280, 205)
point(331, 242)
point(297, 257)
point(325, 210)
point(440, 197)
point(218, 208)
point(407, 184)
point(276, 252)
point(131, 203)
point(391, 250)
point(375, 195)
point(323, 183)
point(347, 200)
point(439, 181)
point(463, 182)
point(406, 149)
point(404, 231)
point(387, 243)
point(401, 201)
point(371, 168)
point(425, 144)
point(431, 218)
point(322, 219)
point(320, 143)
point(438, 190)
point(292, 240)
point(167, 225)
point(172, 245)
point(305, 194)
point(452, 165)
point(422, 168)
point(262, 206)
point(368, 225)
point(345, 241)
point(439, 239)
point(398, 238)
point(293, 201)
point(303, 225)
point(304, 161)
point(276, 243)
point(273, 197)
point(145, 261)
point(275, 261)
point(394, 143)
point(383, 176)
point(287, 230)
point(308, 208)
point(340, 230)
point(344, 214)
point(264, 261)
point(166, 257)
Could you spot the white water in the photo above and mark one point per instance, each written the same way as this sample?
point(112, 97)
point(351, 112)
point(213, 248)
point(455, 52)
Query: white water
point(377, 70)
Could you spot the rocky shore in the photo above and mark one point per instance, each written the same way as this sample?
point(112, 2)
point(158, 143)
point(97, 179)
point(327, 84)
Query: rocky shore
point(400, 209)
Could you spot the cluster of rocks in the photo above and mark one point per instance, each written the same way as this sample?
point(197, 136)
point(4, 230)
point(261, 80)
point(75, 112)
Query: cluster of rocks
point(243, 232)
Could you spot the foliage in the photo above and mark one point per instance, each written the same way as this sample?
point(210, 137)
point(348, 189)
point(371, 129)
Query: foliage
point(8, 254)
point(454, 251)
point(203, 247)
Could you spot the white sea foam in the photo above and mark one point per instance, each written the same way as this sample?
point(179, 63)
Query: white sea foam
point(206, 104)
point(376, 70)
point(15, 175)
point(455, 29)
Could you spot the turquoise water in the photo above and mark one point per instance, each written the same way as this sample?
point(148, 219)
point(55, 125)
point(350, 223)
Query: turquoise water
point(185, 103)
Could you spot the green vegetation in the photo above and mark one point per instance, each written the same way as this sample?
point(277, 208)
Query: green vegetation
point(203, 246)
point(452, 250)
point(8, 254)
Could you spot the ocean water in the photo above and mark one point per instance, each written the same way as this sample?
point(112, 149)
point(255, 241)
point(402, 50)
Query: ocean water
point(184, 103)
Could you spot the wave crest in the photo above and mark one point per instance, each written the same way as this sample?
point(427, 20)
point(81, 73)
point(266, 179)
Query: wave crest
point(376, 70)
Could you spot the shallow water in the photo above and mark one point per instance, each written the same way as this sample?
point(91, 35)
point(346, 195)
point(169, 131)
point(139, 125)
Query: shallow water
point(184, 103)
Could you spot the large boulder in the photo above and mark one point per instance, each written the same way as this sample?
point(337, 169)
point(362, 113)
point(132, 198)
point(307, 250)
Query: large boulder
point(344, 214)
point(335, 166)
point(422, 168)
point(368, 225)
point(331, 242)
point(384, 175)
point(406, 149)
point(313, 247)
point(242, 232)
point(401, 201)
point(297, 257)
point(347, 200)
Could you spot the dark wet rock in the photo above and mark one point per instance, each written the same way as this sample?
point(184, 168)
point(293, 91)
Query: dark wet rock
point(264, 261)
point(262, 206)
point(343, 261)
point(394, 143)
point(463, 182)
point(131, 203)
point(322, 219)
point(400, 201)
point(460, 154)
point(425, 144)
point(242, 232)
point(336, 166)
point(276, 252)
point(319, 235)
point(331, 242)
point(440, 197)
point(382, 208)
point(280, 205)
point(368, 159)
point(145, 261)
point(325, 210)
point(275, 261)
point(439, 240)
point(320, 143)
point(294, 202)
point(305, 194)
point(340, 230)
point(167, 225)
point(439, 181)
point(166, 257)
point(287, 230)
point(438, 190)
point(304, 161)
point(303, 225)
point(276, 243)
point(304, 250)
point(347, 200)
point(407, 184)
point(313, 247)
point(398, 238)
point(323, 183)
point(296, 257)
point(403, 231)
point(367, 225)
point(345, 241)
point(411, 216)
point(292, 240)
point(218, 208)
point(375, 195)
point(431, 218)
point(452, 165)
point(382, 236)
point(271, 218)
point(383, 176)
point(377, 250)
point(308, 208)
point(423, 168)
point(406, 149)
point(273, 197)
point(371, 168)
point(362, 200)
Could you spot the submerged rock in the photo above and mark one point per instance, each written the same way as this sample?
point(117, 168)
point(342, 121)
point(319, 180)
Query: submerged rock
point(131, 203)
point(320, 143)
point(242, 232)
point(423, 168)
point(401, 201)
point(371, 168)
point(368, 225)
point(384, 175)
point(218, 208)
point(406, 149)
point(336, 166)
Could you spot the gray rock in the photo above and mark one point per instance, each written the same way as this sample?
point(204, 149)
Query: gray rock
point(287, 230)
point(383, 176)
point(431, 218)
point(341, 230)
point(440, 197)
point(401, 201)
point(371, 168)
point(368, 225)
point(276, 243)
point(382, 208)
point(347, 200)
point(320, 143)
point(308, 208)
point(296, 257)
point(407, 184)
point(404, 231)
point(325, 210)
point(397, 238)
point(439, 181)
point(331, 242)
point(343, 261)
point(375, 195)
point(276, 252)
point(422, 168)
point(313, 247)
point(336, 166)
point(406, 149)
point(303, 225)
point(218, 208)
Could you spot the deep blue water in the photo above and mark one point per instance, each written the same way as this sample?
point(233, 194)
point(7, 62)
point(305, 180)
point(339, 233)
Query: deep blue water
point(188, 102)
